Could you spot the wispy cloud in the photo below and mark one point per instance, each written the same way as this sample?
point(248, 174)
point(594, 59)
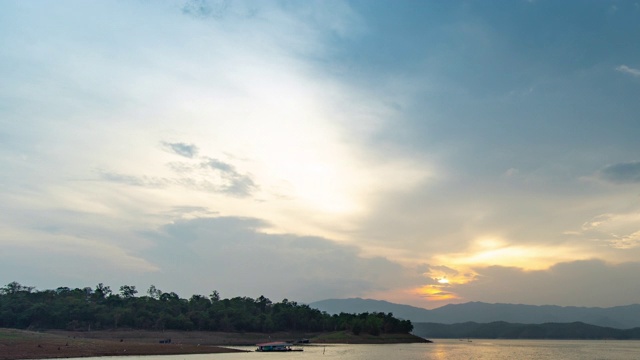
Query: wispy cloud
point(190, 211)
point(143, 181)
point(626, 242)
point(222, 179)
point(206, 8)
point(621, 173)
point(234, 183)
point(230, 180)
point(221, 166)
point(214, 175)
point(182, 149)
point(619, 231)
point(204, 174)
point(628, 70)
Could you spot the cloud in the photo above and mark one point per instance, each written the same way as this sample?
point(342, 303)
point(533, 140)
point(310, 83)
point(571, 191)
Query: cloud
point(73, 258)
point(235, 256)
point(438, 271)
point(511, 172)
point(401, 152)
point(206, 8)
point(143, 181)
point(190, 211)
point(621, 173)
point(578, 283)
point(223, 167)
point(597, 222)
point(628, 70)
point(207, 174)
point(182, 149)
point(626, 242)
point(438, 295)
point(234, 183)
point(618, 230)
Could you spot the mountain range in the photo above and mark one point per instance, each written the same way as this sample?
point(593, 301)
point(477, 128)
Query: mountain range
point(619, 317)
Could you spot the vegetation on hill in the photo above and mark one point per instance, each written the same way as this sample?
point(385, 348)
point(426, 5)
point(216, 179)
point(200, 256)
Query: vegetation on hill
point(619, 317)
point(347, 337)
point(23, 307)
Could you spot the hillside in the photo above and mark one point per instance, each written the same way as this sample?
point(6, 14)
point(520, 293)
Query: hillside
point(619, 317)
point(503, 330)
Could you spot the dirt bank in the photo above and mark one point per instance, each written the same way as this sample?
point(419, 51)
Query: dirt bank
point(19, 344)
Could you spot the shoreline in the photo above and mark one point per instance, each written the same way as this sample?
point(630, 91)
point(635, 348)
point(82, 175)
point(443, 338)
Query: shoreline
point(18, 344)
point(22, 344)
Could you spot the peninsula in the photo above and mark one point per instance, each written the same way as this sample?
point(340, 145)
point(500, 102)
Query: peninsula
point(67, 322)
point(22, 344)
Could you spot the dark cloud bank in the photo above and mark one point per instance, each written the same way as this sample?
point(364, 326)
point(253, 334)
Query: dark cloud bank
point(578, 283)
point(233, 255)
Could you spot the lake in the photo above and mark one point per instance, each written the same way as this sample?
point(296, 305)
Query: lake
point(440, 349)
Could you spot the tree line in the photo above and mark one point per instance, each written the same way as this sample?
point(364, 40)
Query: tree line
point(100, 308)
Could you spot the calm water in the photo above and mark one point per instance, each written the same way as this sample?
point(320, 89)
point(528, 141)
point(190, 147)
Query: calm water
point(441, 349)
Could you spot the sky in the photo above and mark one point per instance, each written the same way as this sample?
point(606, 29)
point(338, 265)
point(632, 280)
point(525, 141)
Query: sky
point(419, 152)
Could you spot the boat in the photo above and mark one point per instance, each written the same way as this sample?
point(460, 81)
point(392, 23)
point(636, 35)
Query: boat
point(276, 347)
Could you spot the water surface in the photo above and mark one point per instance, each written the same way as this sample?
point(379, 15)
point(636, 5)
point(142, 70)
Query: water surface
point(440, 349)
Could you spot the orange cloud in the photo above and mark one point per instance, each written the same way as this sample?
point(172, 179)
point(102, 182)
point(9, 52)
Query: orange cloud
point(435, 293)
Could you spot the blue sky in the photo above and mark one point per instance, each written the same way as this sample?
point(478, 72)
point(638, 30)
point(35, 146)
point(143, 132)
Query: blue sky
point(418, 152)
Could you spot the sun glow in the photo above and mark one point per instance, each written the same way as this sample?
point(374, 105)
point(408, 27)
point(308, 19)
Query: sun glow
point(435, 293)
point(494, 251)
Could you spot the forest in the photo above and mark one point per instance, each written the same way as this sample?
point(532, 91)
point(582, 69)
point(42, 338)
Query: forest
point(100, 308)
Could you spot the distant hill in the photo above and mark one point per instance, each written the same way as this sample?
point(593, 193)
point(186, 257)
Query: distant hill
point(358, 305)
point(619, 317)
point(504, 330)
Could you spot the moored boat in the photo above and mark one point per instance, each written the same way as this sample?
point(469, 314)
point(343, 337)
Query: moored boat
point(276, 347)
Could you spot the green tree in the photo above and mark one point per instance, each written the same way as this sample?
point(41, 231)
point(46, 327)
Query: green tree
point(128, 291)
point(15, 287)
point(85, 309)
point(154, 292)
point(101, 291)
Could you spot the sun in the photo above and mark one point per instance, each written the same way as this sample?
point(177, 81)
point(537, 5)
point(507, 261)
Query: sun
point(443, 280)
